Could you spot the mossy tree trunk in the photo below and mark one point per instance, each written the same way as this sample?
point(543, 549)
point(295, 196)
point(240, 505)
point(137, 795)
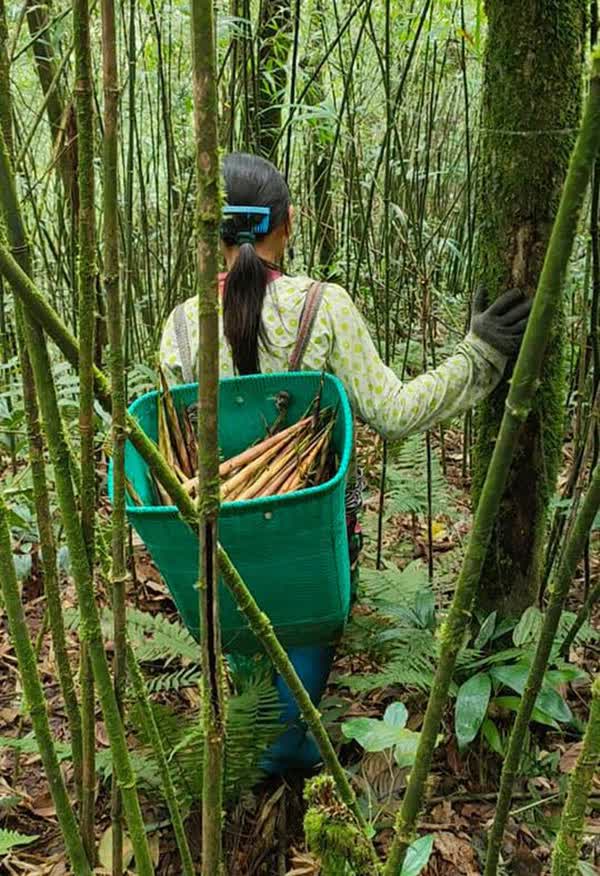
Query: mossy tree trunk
point(531, 110)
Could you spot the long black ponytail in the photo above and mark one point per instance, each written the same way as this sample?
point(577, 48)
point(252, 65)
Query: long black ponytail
point(250, 181)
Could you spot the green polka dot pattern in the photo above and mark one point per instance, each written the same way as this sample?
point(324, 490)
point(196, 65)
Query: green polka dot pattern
point(341, 344)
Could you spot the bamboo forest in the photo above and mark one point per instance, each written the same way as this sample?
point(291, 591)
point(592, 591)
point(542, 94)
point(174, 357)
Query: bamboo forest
point(299, 437)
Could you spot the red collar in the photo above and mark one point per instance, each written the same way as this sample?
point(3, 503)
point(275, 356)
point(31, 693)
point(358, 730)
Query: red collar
point(272, 275)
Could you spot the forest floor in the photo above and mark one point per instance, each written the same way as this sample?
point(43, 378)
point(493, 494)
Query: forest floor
point(264, 834)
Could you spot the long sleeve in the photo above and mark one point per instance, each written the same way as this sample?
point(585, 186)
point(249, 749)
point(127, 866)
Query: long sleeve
point(396, 409)
point(341, 343)
point(170, 360)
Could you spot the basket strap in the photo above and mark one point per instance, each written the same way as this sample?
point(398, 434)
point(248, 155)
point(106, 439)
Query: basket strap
point(183, 343)
point(310, 308)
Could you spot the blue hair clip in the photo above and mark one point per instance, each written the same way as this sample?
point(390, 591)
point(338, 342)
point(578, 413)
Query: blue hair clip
point(261, 227)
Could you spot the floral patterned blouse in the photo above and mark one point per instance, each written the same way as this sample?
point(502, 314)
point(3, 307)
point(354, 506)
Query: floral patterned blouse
point(341, 344)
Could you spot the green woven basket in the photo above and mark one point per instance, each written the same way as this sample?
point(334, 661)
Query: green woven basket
point(291, 550)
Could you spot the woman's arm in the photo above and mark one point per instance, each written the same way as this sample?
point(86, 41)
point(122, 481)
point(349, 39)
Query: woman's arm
point(170, 356)
point(397, 409)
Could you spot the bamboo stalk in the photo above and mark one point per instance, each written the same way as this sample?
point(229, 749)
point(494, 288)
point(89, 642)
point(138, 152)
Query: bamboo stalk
point(48, 554)
point(306, 464)
point(274, 487)
point(36, 701)
point(245, 474)
point(60, 458)
point(38, 475)
point(208, 218)
point(153, 734)
point(174, 429)
point(257, 620)
point(263, 468)
point(5, 93)
point(247, 456)
point(558, 593)
point(272, 470)
point(118, 574)
point(565, 858)
point(522, 390)
point(86, 283)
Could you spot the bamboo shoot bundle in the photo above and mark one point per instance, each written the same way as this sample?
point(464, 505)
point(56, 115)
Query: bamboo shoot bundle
point(290, 457)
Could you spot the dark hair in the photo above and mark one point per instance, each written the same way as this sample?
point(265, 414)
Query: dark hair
point(250, 181)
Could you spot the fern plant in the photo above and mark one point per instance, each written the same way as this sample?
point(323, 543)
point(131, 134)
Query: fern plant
point(9, 839)
point(490, 673)
point(407, 481)
point(253, 723)
point(399, 632)
point(153, 637)
point(253, 713)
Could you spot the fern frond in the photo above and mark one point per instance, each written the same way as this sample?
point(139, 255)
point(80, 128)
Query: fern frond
point(380, 587)
point(407, 481)
point(11, 838)
point(253, 723)
point(189, 676)
point(28, 745)
point(152, 636)
point(158, 638)
point(410, 663)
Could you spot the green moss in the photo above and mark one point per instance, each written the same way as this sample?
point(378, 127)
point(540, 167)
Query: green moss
point(332, 833)
point(531, 108)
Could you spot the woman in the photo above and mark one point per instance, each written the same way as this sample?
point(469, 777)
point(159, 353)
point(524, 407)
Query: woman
point(263, 313)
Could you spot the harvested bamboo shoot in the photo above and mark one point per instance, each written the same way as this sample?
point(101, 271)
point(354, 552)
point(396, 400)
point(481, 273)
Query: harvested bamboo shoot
point(289, 458)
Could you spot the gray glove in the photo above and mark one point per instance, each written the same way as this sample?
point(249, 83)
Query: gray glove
point(502, 324)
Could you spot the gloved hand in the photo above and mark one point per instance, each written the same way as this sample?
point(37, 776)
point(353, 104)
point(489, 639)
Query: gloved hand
point(501, 325)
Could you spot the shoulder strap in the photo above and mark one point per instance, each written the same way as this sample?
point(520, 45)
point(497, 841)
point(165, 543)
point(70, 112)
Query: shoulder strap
point(183, 342)
point(310, 308)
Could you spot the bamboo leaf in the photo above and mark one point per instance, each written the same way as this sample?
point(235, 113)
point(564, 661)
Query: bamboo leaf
point(471, 707)
point(528, 628)
point(486, 632)
point(491, 734)
point(417, 856)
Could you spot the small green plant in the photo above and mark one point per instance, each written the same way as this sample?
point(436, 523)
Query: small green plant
point(9, 839)
point(375, 734)
point(400, 634)
point(494, 682)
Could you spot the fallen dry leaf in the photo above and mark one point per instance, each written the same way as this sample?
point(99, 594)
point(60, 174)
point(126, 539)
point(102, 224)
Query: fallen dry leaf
point(303, 864)
point(43, 806)
point(569, 758)
point(458, 852)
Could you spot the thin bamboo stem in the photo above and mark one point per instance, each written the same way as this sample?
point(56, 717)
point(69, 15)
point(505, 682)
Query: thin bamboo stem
point(36, 701)
point(61, 460)
point(558, 593)
point(153, 734)
point(522, 390)
point(565, 859)
point(208, 217)
point(117, 376)
point(86, 285)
